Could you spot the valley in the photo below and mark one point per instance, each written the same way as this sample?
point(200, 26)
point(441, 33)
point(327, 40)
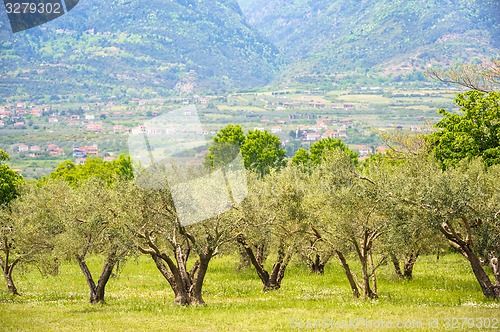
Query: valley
point(40, 136)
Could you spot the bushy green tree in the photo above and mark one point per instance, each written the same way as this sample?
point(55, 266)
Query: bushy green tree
point(108, 171)
point(475, 132)
point(9, 181)
point(262, 152)
point(226, 146)
point(320, 150)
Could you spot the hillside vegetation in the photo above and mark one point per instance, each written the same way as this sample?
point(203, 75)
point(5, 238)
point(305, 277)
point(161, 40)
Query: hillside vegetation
point(159, 46)
point(118, 47)
point(379, 35)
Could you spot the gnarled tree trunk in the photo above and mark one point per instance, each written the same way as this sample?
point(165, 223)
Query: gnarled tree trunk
point(372, 273)
point(317, 265)
point(8, 268)
point(396, 263)
point(244, 262)
point(463, 245)
point(198, 276)
point(314, 259)
point(97, 291)
point(409, 261)
point(270, 281)
point(357, 285)
point(495, 264)
point(489, 289)
point(7, 273)
point(364, 253)
point(187, 286)
point(349, 274)
point(260, 255)
point(365, 280)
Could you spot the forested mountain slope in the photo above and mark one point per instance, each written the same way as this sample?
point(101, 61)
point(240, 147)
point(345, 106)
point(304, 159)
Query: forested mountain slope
point(138, 48)
point(111, 46)
point(378, 35)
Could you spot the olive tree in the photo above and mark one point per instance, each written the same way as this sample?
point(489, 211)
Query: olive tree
point(93, 213)
point(28, 232)
point(407, 238)
point(9, 182)
point(347, 207)
point(273, 215)
point(93, 216)
point(261, 152)
point(465, 205)
point(408, 235)
point(181, 253)
point(315, 251)
point(462, 203)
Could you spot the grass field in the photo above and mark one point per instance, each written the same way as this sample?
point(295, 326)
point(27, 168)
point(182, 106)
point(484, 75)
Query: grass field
point(139, 300)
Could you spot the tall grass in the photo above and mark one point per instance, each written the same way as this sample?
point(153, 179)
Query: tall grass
point(138, 299)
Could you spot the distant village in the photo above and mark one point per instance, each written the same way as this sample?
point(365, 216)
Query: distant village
point(90, 118)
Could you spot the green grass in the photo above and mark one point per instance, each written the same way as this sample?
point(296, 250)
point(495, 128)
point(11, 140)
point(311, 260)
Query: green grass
point(139, 299)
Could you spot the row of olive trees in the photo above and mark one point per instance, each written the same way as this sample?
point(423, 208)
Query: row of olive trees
point(320, 205)
point(385, 210)
point(430, 189)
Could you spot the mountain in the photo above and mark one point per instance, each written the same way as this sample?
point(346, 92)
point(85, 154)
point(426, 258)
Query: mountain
point(143, 48)
point(387, 37)
point(136, 47)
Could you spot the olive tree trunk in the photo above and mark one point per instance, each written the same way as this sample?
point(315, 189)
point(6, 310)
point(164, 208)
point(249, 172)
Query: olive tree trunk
point(463, 244)
point(8, 267)
point(496, 270)
point(314, 258)
point(260, 255)
point(186, 285)
point(349, 274)
point(317, 265)
point(7, 273)
point(97, 291)
point(409, 261)
point(270, 281)
point(364, 252)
